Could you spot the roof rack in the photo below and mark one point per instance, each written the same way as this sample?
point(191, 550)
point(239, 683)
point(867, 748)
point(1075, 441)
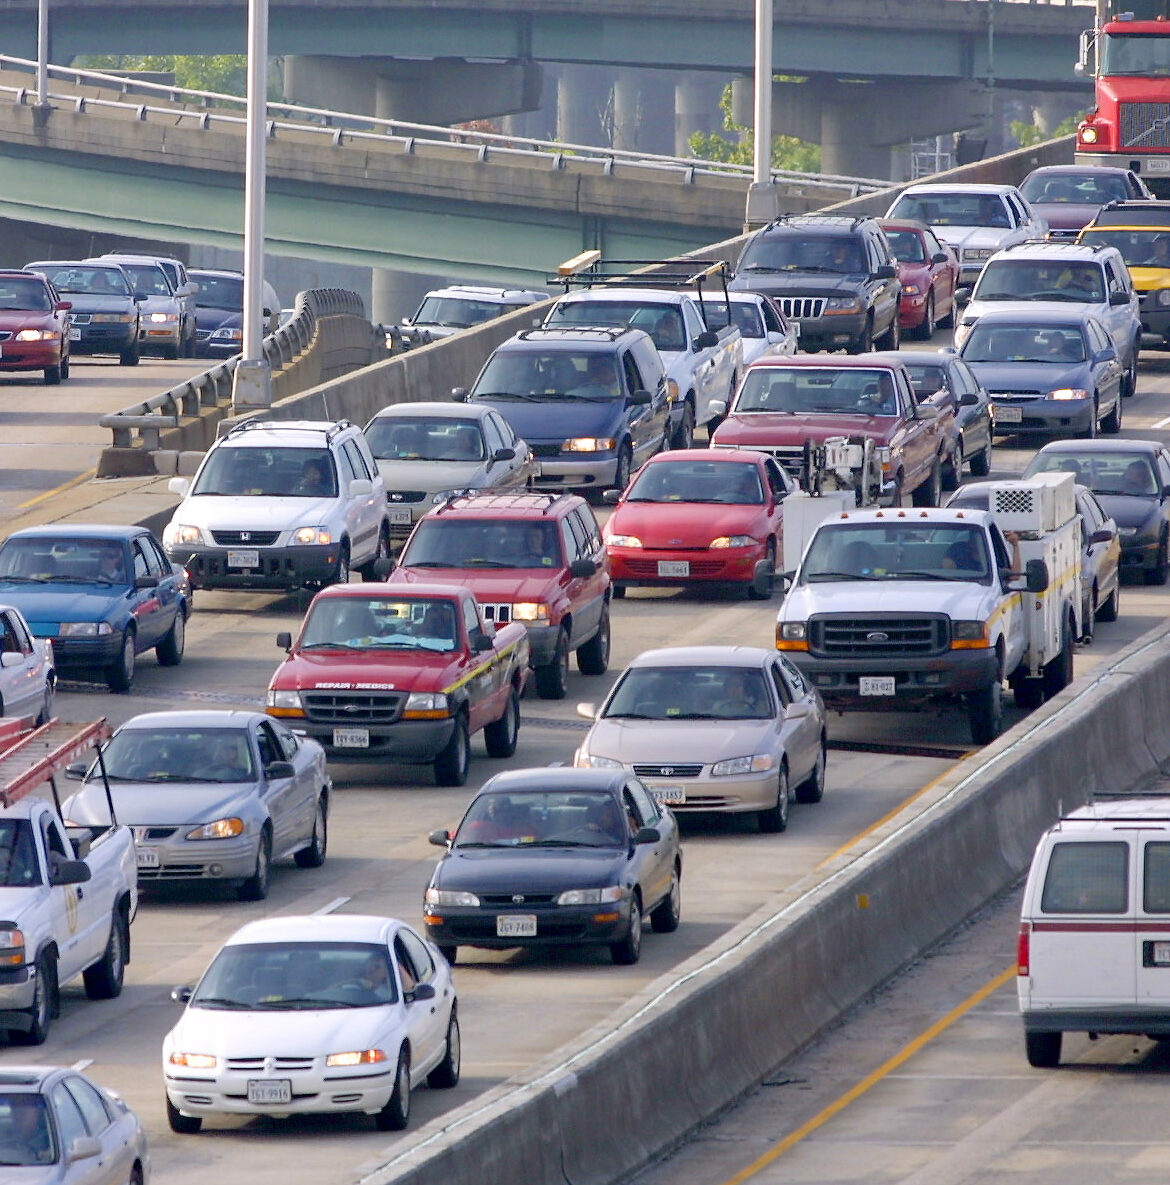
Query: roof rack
point(589, 332)
point(588, 269)
point(448, 498)
point(330, 430)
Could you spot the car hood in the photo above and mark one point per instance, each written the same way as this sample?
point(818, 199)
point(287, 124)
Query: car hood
point(48, 603)
point(160, 304)
point(84, 302)
point(281, 1033)
point(763, 428)
point(681, 524)
point(1055, 308)
point(1128, 511)
point(528, 869)
point(972, 236)
point(689, 741)
point(558, 419)
point(1030, 376)
point(15, 319)
point(379, 670)
point(158, 804)
point(488, 584)
point(955, 598)
point(431, 476)
point(798, 283)
point(1066, 215)
point(244, 513)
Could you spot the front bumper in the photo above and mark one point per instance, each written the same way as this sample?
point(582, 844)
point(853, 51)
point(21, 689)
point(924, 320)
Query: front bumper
point(1155, 318)
point(83, 653)
point(556, 925)
point(1058, 417)
point(110, 338)
point(160, 337)
point(181, 859)
point(404, 740)
point(16, 355)
point(561, 472)
point(17, 987)
point(841, 329)
point(1139, 553)
point(912, 310)
point(724, 795)
point(630, 567)
point(287, 567)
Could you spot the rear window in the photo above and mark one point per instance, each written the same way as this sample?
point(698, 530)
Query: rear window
point(1156, 878)
point(1087, 878)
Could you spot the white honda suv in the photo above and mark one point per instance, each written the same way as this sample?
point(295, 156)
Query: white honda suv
point(282, 504)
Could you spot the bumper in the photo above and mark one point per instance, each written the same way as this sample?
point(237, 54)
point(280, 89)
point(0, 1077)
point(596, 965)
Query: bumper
point(542, 643)
point(728, 566)
point(81, 653)
point(160, 337)
point(1126, 1018)
point(404, 740)
point(817, 333)
point(559, 473)
point(1060, 417)
point(726, 796)
point(277, 567)
point(955, 672)
point(912, 310)
point(555, 926)
point(1155, 324)
point(1137, 555)
point(29, 355)
point(103, 339)
point(312, 1092)
point(17, 987)
point(180, 860)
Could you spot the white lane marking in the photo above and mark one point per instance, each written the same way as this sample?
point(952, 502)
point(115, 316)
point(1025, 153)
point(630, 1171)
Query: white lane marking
point(333, 905)
point(84, 1064)
point(1161, 423)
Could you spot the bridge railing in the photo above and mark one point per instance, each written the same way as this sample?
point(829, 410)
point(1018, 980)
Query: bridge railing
point(206, 108)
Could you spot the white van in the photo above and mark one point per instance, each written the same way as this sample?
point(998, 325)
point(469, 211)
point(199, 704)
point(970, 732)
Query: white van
point(1094, 944)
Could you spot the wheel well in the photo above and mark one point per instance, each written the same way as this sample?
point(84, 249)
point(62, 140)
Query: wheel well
point(123, 908)
point(567, 625)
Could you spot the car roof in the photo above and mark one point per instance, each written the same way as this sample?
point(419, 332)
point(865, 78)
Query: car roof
point(923, 357)
point(107, 264)
point(436, 409)
point(718, 455)
point(80, 531)
point(519, 506)
point(834, 225)
point(686, 656)
point(975, 187)
point(1089, 252)
point(258, 433)
point(233, 718)
point(1098, 170)
point(333, 927)
point(555, 779)
point(396, 592)
point(225, 273)
point(829, 361)
point(1117, 444)
point(26, 1078)
point(1107, 814)
point(489, 292)
point(626, 295)
point(16, 273)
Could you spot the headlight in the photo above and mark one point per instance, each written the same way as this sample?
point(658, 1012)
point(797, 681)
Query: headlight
point(282, 699)
point(220, 829)
point(313, 535)
point(590, 896)
point(85, 629)
point(624, 540)
point(725, 541)
point(1162, 298)
point(358, 1057)
point(842, 304)
point(583, 760)
point(231, 335)
point(1127, 532)
point(37, 335)
point(194, 1061)
point(426, 701)
point(1068, 393)
point(529, 611)
point(446, 898)
point(910, 290)
point(177, 534)
point(113, 318)
point(758, 763)
point(968, 635)
point(11, 948)
point(1088, 135)
point(793, 631)
point(589, 444)
point(164, 318)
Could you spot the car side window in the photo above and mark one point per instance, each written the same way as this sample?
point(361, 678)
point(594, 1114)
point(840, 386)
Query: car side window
point(693, 322)
point(633, 376)
point(1003, 560)
point(569, 539)
point(792, 677)
point(406, 968)
point(362, 446)
point(503, 429)
point(152, 548)
point(141, 567)
point(91, 1104)
point(70, 1124)
point(420, 959)
point(471, 621)
point(647, 807)
point(783, 691)
point(776, 480)
point(356, 462)
point(1164, 470)
point(492, 438)
point(13, 635)
point(286, 739)
point(585, 526)
point(267, 746)
point(633, 812)
point(345, 466)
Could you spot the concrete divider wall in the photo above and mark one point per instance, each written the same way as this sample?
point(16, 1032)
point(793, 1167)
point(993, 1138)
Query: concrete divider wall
point(711, 1029)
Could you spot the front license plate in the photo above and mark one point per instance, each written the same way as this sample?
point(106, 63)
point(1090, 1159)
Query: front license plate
point(1008, 415)
point(876, 685)
point(1157, 164)
point(243, 559)
point(674, 568)
point(146, 858)
point(1161, 954)
point(351, 738)
point(269, 1090)
point(516, 925)
point(670, 795)
point(75, 335)
point(399, 514)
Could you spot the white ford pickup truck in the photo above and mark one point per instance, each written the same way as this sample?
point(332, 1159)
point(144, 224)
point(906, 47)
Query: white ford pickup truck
point(67, 897)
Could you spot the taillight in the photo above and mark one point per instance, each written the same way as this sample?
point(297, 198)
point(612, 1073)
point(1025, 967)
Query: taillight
point(1022, 944)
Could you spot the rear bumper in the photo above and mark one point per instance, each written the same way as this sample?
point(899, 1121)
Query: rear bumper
point(279, 567)
point(1125, 1018)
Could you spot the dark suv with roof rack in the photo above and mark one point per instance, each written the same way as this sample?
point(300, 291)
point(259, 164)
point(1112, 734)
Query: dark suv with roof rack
point(834, 275)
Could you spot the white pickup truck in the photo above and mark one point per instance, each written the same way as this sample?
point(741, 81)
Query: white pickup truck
point(905, 608)
point(66, 898)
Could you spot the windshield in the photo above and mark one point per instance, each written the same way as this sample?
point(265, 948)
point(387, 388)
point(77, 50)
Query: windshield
point(1041, 279)
point(745, 316)
point(1104, 473)
point(552, 374)
point(848, 391)
point(29, 295)
point(220, 292)
point(1144, 55)
point(953, 209)
point(1139, 248)
point(86, 281)
point(179, 755)
point(663, 322)
point(483, 543)
point(732, 483)
point(26, 1135)
point(55, 560)
point(1055, 344)
point(539, 818)
point(799, 253)
point(18, 857)
point(880, 551)
point(415, 438)
point(1083, 189)
point(906, 246)
point(148, 278)
point(297, 976)
point(691, 693)
point(457, 312)
point(268, 472)
point(379, 623)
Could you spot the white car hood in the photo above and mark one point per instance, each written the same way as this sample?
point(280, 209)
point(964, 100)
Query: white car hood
point(956, 598)
point(976, 308)
point(227, 513)
point(15, 900)
point(705, 741)
point(973, 236)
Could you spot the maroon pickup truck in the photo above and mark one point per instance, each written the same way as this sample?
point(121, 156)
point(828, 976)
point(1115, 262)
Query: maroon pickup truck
point(783, 402)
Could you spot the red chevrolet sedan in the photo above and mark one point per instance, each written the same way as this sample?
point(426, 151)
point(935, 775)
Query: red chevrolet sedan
point(929, 271)
point(34, 326)
point(693, 516)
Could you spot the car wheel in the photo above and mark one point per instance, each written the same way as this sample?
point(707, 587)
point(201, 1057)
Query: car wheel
point(46, 712)
point(985, 713)
point(381, 557)
point(1111, 424)
point(1090, 433)
point(665, 916)
point(760, 588)
point(103, 981)
point(169, 651)
point(454, 761)
point(552, 679)
point(812, 789)
point(684, 434)
point(1160, 572)
point(121, 674)
point(180, 1124)
point(341, 571)
point(621, 473)
point(446, 1074)
point(863, 343)
point(627, 952)
point(130, 356)
point(1058, 673)
point(925, 331)
point(395, 1115)
point(1089, 616)
point(929, 493)
point(255, 888)
point(314, 855)
point(450, 953)
point(65, 367)
point(619, 592)
point(1129, 381)
point(775, 819)
point(1043, 1049)
point(892, 338)
point(44, 1005)
point(500, 735)
point(981, 461)
point(52, 375)
point(593, 656)
point(1111, 608)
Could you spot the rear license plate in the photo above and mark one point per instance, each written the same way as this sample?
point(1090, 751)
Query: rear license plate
point(75, 335)
point(399, 515)
point(269, 1090)
point(1156, 164)
point(351, 738)
point(516, 925)
point(876, 685)
point(1160, 955)
point(243, 559)
point(674, 568)
point(670, 795)
point(1008, 415)
point(146, 858)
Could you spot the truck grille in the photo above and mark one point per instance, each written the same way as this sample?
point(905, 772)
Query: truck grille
point(802, 306)
point(1145, 125)
point(353, 707)
point(247, 538)
point(877, 636)
point(669, 770)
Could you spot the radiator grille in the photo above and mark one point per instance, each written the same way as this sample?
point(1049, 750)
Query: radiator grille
point(802, 306)
point(353, 707)
point(1145, 125)
point(877, 636)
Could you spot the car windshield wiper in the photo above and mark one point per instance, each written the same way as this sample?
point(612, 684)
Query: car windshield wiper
point(840, 576)
point(219, 1002)
point(631, 716)
point(506, 395)
point(479, 561)
point(306, 1002)
point(912, 575)
point(25, 579)
point(169, 777)
point(330, 646)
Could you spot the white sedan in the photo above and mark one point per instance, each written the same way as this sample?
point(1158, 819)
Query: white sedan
point(27, 675)
point(325, 1014)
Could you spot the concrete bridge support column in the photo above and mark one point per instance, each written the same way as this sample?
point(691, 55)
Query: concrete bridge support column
point(696, 109)
point(627, 111)
point(395, 295)
point(580, 102)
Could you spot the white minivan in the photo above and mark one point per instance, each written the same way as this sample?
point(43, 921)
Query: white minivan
point(1094, 944)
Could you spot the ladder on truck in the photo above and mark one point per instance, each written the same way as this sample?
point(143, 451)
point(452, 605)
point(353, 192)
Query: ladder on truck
point(30, 757)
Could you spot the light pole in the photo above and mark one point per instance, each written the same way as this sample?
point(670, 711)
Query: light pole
point(252, 384)
point(42, 53)
point(763, 203)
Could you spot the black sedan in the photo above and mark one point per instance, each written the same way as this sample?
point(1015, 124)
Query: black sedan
point(556, 857)
point(1131, 479)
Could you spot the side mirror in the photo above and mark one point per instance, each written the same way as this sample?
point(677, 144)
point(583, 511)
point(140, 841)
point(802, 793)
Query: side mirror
point(189, 290)
point(266, 312)
point(797, 710)
point(422, 991)
point(75, 770)
point(1118, 299)
point(179, 485)
point(706, 340)
point(284, 640)
point(11, 658)
point(360, 487)
point(276, 770)
point(182, 993)
point(969, 399)
point(587, 711)
point(481, 643)
point(963, 294)
point(383, 567)
point(611, 497)
point(774, 338)
point(62, 306)
point(886, 272)
point(139, 297)
point(440, 838)
point(717, 408)
point(146, 582)
point(1036, 576)
point(459, 394)
point(638, 398)
point(83, 1148)
point(939, 257)
point(582, 569)
point(69, 872)
point(503, 454)
point(646, 835)
point(1101, 536)
point(926, 411)
point(949, 350)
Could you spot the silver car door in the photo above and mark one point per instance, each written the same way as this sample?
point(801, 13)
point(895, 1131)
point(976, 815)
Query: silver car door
point(279, 794)
point(117, 1154)
point(22, 683)
point(70, 1127)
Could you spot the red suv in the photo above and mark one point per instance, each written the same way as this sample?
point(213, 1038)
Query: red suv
point(537, 559)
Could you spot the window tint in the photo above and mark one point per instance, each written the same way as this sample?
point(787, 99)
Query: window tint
point(777, 482)
point(645, 803)
point(581, 533)
point(1086, 878)
point(633, 377)
point(140, 565)
point(419, 956)
point(406, 968)
point(572, 550)
point(492, 435)
point(782, 688)
point(286, 740)
point(91, 1104)
point(153, 549)
point(70, 1125)
point(266, 742)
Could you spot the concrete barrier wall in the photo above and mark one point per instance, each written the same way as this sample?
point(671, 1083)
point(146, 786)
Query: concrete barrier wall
point(711, 1029)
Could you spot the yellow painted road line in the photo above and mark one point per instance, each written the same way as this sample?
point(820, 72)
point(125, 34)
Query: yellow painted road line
point(67, 485)
point(855, 1092)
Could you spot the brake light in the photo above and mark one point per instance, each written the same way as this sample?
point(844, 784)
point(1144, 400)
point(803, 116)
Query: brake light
point(1023, 942)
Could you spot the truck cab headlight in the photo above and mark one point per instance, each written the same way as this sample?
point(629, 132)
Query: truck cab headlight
point(968, 635)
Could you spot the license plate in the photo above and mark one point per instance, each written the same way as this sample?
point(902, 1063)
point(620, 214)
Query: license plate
point(146, 858)
point(269, 1090)
point(1157, 164)
point(351, 738)
point(876, 685)
point(674, 568)
point(75, 335)
point(243, 559)
point(1008, 415)
point(516, 925)
point(399, 514)
point(669, 795)
point(1161, 954)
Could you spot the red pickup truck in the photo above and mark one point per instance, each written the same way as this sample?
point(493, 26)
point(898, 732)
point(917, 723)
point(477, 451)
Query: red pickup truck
point(784, 401)
point(402, 674)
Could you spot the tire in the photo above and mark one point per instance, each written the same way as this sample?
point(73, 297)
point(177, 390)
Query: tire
point(170, 352)
point(1043, 1049)
point(929, 493)
point(665, 916)
point(53, 375)
point(369, 569)
point(1129, 379)
point(627, 952)
point(1111, 424)
point(625, 462)
point(1160, 572)
point(1111, 608)
point(446, 1074)
point(255, 888)
point(450, 953)
point(500, 736)
point(593, 656)
point(863, 343)
point(899, 489)
point(760, 589)
point(948, 322)
point(169, 651)
point(130, 356)
point(812, 789)
point(1090, 433)
point(952, 472)
point(120, 676)
point(892, 338)
point(454, 761)
point(619, 592)
point(775, 819)
point(183, 1125)
point(341, 571)
point(1089, 618)
point(1058, 673)
point(925, 331)
point(103, 981)
point(552, 678)
point(314, 855)
point(395, 1115)
point(46, 712)
point(980, 463)
point(985, 713)
point(684, 434)
point(44, 1005)
point(65, 367)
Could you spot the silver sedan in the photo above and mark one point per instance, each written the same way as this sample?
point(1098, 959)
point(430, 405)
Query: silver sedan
point(214, 795)
point(27, 675)
point(713, 728)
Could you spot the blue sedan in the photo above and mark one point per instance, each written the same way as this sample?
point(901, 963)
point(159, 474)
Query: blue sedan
point(103, 594)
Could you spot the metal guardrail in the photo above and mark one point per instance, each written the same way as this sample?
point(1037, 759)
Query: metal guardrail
point(211, 107)
point(150, 418)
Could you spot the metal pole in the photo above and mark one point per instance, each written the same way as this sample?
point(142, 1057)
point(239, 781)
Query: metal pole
point(42, 53)
point(762, 201)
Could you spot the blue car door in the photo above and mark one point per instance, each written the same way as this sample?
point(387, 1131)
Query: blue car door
point(150, 615)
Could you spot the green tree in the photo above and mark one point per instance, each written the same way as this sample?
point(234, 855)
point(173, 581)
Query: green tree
point(225, 73)
point(787, 151)
point(1027, 134)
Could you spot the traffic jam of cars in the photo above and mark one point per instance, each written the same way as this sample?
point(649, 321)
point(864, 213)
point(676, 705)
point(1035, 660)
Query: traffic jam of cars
point(452, 560)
